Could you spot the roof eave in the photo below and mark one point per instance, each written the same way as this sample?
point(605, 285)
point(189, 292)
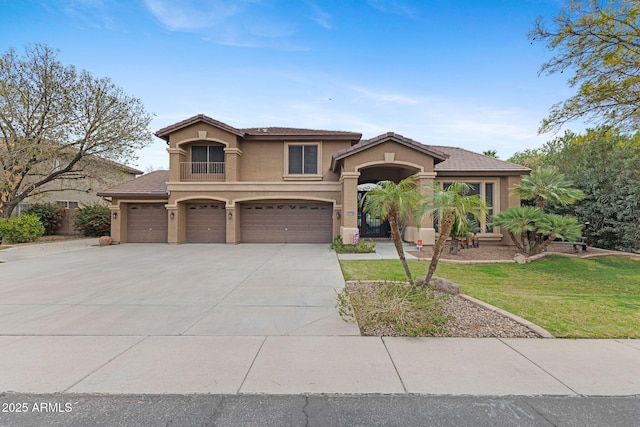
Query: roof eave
point(166, 131)
point(302, 137)
point(481, 172)
point(124, 195)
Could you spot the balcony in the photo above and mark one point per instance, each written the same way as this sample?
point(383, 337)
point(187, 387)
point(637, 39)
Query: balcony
point(202, 171)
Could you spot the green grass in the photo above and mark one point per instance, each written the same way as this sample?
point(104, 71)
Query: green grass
point(570, 297)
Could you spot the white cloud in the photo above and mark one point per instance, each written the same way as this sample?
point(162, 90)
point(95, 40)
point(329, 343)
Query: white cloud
point(393, 7)
point(320, 16)
point(193, 15)
point(240, 23)
point(385, 97)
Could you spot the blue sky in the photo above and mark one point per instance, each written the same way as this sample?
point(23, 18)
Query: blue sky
point(458, 72)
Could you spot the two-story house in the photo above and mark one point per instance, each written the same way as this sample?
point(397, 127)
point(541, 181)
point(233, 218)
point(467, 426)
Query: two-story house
point(230, 185)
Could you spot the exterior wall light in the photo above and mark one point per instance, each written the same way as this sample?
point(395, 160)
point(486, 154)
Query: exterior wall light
point(115, 215)
point(230, 215)
point(338, 215)
point(172, 215)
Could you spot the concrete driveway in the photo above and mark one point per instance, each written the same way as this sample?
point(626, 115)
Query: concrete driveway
point(77, 288)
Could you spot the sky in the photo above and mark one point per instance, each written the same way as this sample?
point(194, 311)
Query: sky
point(457, 73)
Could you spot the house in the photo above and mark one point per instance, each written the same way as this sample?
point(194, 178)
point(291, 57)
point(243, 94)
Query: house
point(75, 191)
point(272, 184)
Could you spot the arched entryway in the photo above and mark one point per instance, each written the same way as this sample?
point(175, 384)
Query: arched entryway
point(369, 225)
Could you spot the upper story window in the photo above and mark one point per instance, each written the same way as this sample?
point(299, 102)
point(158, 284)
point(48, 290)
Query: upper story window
point(67, 204)
point(207, 153)
point(207, 159)
point(302, 159)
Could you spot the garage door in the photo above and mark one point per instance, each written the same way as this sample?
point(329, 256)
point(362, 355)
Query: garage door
point(286, 223)
point(147, 223)
point(206, 223)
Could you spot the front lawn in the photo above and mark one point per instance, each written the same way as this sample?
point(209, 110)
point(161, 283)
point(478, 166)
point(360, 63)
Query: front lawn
point(570, 297)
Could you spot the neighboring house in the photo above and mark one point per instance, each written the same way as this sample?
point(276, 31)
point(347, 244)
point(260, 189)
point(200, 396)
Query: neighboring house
point(228, 185)
point(73, 193)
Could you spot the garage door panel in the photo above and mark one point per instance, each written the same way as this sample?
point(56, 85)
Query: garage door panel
point(147, 223)
point(291, 222)
point(206, 223)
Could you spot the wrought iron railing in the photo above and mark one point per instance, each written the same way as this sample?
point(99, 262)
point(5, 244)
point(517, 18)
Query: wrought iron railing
point(202, 171)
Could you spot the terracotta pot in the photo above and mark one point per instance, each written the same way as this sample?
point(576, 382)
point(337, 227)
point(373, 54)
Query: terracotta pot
point(104, 240)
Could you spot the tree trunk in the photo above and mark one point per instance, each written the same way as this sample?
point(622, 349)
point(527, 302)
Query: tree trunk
point(455, 246)
point(526, 244)
point(7, 208)
point(445, 229)
point(547, 242)
point(397, 241)
point(516, 241)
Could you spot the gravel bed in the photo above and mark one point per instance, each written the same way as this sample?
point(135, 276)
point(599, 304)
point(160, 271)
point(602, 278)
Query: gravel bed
point(469, 320)
point(472, 321)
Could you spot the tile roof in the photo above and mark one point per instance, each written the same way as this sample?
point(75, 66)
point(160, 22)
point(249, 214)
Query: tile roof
point(258, 132)
point(463, 161)
point(298, 131)
point(123, 168)
point(389, 136)
point(164, 132)
point(152, 184)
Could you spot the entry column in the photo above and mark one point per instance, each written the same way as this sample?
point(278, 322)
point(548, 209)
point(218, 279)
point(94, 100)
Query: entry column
point(426, 233)
point(349, 225)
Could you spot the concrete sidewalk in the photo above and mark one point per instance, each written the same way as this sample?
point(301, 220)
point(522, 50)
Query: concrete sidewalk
point(250, 319)
point(384, 250)
point(318, 364)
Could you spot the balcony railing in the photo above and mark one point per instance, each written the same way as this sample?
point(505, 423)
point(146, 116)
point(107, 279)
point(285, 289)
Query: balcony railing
point(202, 171)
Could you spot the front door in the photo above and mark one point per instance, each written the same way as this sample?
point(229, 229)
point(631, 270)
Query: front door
point(369, 225)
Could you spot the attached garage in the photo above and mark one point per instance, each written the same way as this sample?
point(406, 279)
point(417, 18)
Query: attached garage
point(286, 222)
point(206, 223)
point(147, 223)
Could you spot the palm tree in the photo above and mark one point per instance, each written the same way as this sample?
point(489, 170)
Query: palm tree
point(449, 204)
point(527, 226)
point(546, 184)
point(394, 202)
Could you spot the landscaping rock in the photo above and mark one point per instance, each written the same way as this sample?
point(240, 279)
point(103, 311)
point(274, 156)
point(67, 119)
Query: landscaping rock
point(521, 259)
point(440, 284)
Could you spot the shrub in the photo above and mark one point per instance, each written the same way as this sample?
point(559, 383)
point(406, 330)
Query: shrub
point(93, 220)
point(362, 247)
point(21, 229)
point(51, 216)
point(407, 310)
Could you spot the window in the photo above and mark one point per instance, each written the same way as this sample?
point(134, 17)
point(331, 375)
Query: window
point(303, 159)
point(207, 159)
point(486, 191)
point(67, 204)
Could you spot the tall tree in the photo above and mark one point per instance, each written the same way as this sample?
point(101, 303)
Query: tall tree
point(56, 122)
point(449, 204)
point(599, 42)
point(605, 164)
point(394, 202)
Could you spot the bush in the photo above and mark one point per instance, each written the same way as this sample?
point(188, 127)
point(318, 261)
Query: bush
point(51, 216)
point(93, 220)
point(362, 247)
point(406, 310)
point(21, 229)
